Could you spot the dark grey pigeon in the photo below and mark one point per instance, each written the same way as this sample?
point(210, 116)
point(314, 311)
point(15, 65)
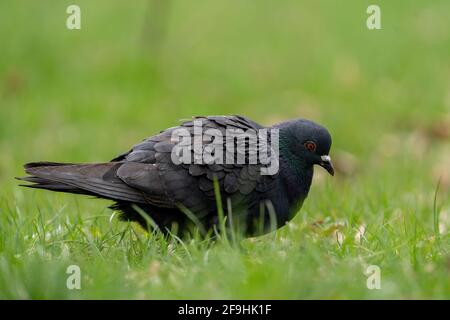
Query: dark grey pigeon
point(150, 187)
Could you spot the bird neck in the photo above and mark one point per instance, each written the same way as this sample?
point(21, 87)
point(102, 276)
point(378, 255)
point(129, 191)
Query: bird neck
point(297, 173)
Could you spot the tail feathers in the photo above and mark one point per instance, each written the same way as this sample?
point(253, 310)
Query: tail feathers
point(98, 179)
point(40, 183)
point(31, 165)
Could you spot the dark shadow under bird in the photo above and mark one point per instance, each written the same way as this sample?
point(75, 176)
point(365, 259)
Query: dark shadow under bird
point(146, 182)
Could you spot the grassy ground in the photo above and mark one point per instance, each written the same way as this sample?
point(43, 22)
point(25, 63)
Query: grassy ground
point(88, 95)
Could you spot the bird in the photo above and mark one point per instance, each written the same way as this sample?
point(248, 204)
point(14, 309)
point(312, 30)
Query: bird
point(153, 185)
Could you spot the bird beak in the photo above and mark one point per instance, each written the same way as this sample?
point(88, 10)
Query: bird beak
point(326, 164)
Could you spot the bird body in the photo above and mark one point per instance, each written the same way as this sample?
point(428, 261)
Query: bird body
point(150, 180)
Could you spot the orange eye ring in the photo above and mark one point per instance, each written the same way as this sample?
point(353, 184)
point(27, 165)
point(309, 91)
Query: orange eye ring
point(310, 146)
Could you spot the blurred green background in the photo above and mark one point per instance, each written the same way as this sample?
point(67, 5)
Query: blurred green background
point(137, 67)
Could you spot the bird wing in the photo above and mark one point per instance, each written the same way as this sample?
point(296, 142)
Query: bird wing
point(148, 167)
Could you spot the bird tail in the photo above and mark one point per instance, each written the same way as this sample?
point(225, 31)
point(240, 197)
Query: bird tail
point(96, 179)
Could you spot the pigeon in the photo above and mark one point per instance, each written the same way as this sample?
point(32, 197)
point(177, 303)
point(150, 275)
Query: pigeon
point(206, 171)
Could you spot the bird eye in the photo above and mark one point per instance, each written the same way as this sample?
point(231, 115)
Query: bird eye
point(310, 146)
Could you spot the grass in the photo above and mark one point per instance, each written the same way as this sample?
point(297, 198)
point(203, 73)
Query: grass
point(88, 95)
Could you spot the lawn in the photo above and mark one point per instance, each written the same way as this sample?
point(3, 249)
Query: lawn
point(132, 70)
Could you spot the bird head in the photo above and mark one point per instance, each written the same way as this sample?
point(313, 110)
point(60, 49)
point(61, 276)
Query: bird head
point(308, 141)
